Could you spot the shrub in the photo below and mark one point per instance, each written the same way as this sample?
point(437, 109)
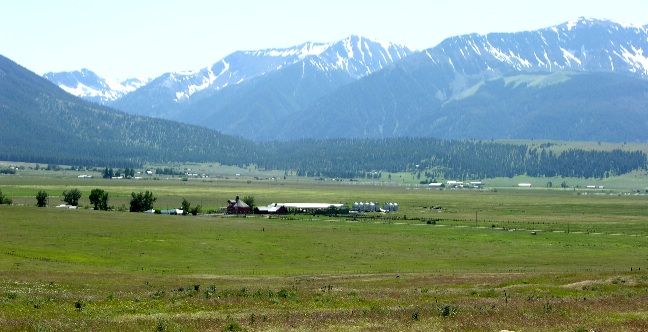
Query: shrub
point(448, 311)
point(162, 325)
point(79, 304)
point(196, 209)
point(233, 326)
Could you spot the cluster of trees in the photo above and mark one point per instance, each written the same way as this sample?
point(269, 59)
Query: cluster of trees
point(186, 208)
point(139, 202)
point(168, 171)
point(450, 159)
point(98, 198)
point(127, 172)
point(584, 164)
point(7, 171)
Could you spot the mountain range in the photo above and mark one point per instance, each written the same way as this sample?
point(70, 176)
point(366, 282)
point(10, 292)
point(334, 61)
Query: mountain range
point(581, 80)
point(44, 124)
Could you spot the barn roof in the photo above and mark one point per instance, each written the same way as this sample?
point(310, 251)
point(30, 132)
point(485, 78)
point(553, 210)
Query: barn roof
point(237, 203)
point(309, 205)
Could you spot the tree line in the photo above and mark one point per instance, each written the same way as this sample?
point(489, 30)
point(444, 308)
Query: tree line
point(450, 159)
point(140, 202)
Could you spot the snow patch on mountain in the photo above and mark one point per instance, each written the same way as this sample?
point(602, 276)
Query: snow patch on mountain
point(638, 60)
point(355, 55)
point(86, 84)
point(583, 44)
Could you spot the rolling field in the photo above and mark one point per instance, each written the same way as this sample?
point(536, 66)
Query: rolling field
point(450, 260)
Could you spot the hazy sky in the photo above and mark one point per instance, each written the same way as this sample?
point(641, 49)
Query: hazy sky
point(146, 38)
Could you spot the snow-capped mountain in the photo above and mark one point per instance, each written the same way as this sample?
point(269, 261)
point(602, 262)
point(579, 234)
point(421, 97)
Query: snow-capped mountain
point(354, 57)
point(86, 84)
point(359, 87)
point(581, 45)
point(547, 83)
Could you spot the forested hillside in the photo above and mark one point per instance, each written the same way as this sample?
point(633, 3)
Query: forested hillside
point(436, 158)
point(42, 123)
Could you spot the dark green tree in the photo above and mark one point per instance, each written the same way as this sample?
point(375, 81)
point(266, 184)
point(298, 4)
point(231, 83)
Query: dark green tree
point(249, 200)
point(108, 173)
point(72, 196)
point(186, 206)
point(99, 198)
point(41, 198)
point(4, 199)
point(196, 209)
point(142, 202)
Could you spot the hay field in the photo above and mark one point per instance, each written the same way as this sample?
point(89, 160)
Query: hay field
point(451, 260)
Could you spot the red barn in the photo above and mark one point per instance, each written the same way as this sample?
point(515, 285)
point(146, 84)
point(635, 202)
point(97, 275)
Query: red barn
point(237, 206)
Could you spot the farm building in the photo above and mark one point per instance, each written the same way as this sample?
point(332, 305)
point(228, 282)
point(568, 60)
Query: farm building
point(172, 211)
point(273, 208)
point(524, 185)
point(313, 207)
point(237, 206)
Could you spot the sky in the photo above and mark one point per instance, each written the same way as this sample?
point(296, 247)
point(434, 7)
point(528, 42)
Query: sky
point(120, 39)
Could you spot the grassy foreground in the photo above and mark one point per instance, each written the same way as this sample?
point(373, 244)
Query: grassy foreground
point(448, 261)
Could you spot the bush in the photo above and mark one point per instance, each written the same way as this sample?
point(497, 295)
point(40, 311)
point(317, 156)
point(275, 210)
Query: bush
point(448, 311)
point(232, 327)
point(195, 210)
point(79, 304)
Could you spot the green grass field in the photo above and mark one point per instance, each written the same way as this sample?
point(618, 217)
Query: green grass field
point(450, 260)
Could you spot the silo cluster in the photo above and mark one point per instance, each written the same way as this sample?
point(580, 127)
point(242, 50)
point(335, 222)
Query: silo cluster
point(374, 207)
point(366, 206)
point(390, 207)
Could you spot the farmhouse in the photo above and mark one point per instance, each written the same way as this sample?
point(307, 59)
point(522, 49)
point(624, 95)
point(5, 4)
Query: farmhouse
point(237, 206)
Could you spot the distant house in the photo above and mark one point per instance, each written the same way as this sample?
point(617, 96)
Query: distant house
point(273, 208)
point(237, 206)
point(524, 185)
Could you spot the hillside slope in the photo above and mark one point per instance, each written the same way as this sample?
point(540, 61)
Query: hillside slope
point(42, 123)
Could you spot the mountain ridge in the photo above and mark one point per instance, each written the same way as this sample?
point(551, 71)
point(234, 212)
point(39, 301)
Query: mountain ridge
point(44, 124)
point(323, 85)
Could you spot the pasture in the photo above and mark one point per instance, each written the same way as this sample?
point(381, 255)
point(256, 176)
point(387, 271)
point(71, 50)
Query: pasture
point(524, 259)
